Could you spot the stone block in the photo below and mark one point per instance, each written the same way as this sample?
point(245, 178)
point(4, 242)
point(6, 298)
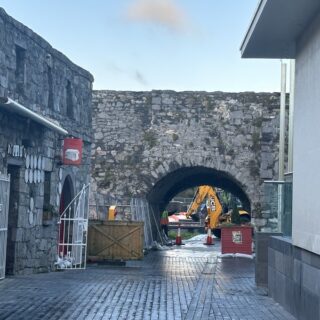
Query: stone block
point(306, 256)
point(48, 164)
point(309, 305)
point(43, 244)
point(315, 260)
point(297, 270)
point(310, 279)
point(271, 258)
point(292, 297)
point(271, 281)
point(279, 262)
point(261, 274)
point(279, 290)
point(288, 265)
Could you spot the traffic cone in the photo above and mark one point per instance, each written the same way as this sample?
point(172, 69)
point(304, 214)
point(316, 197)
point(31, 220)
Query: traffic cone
point(209, 241)
point(178, 237)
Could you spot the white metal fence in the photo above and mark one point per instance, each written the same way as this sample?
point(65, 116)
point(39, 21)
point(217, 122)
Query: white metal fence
point(4, 208)
point(73, 229)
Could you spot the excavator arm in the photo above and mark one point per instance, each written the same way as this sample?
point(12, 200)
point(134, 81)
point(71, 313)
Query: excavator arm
point(197, 200)
point(214, 207)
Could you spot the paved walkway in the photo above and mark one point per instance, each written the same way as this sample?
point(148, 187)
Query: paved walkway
point(191, 282)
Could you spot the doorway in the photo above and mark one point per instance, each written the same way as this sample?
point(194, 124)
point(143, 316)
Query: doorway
point(13, 215)
point(65, 231)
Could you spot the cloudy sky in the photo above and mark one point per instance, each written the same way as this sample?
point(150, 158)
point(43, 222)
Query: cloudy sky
point(153, 44)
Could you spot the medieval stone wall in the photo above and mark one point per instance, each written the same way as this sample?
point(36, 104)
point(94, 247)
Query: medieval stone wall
point(141, 137)
point(43, 80)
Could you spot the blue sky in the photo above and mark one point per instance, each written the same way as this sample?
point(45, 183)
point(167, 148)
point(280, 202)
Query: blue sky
point(153, 44)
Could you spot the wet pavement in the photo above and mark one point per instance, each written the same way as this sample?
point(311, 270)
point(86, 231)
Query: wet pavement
point(189, 282)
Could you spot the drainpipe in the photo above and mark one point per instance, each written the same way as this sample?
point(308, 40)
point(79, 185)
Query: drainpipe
point(282, 143)
point(282, 120)
point(13, 106)
point(291, 111)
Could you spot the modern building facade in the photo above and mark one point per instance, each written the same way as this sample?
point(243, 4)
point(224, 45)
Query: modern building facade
point(45, 104)
point(290, 29)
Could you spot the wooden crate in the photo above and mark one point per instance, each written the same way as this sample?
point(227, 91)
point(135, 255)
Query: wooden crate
point(115, 240)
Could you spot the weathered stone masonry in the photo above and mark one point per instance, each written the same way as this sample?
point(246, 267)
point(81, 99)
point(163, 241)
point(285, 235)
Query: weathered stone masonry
point(42, 79)
point(142, 137)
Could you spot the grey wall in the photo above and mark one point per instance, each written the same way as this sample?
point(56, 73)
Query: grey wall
point(34, 244)
point(306, 181)
point(147, 141)
point(293, 278)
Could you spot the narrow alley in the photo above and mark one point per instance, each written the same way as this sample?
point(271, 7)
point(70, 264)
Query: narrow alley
point(189, 282)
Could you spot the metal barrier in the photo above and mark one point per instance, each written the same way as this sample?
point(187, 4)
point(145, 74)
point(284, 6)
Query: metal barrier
point(141, 212)
point(72, 248)
point(4, 208)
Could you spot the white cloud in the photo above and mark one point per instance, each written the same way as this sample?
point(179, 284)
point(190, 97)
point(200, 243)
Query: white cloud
point(162, 12)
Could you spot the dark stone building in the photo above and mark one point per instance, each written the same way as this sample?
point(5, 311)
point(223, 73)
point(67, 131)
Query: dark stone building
point(44, 98)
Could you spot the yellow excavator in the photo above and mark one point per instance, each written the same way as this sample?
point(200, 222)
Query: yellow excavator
point(214, 208)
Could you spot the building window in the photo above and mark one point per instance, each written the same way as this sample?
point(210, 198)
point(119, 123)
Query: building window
point(50, 85)
point(70, 111)
point(20, 69)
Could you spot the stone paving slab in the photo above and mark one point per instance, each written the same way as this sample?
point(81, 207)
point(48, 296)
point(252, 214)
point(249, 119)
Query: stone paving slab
point(190, 282)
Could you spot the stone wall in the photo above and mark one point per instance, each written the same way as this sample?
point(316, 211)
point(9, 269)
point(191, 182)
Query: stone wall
point(142, 137)
point(43, 80)
point(293, 278)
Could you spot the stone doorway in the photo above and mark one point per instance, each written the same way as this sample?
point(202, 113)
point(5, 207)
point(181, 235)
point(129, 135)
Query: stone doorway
point(11, 259)
point(67, 195)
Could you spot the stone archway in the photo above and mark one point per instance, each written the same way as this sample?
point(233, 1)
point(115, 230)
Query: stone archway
point(166, 136)
point(181, 179)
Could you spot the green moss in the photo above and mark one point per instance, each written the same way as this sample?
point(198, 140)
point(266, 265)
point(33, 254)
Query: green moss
point(150, 138)
point(175, 137)
point(256, 141)
point(107, 179)
point(257, 122)
point(235, 216)
point(185, 235)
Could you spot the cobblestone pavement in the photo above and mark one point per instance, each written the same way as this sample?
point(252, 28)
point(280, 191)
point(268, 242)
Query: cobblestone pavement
point(191, 282)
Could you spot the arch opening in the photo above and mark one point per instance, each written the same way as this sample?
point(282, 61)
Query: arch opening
point(65, 232)
point(184, 178)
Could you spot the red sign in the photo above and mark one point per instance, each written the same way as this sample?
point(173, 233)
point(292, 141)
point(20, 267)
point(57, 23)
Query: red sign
point(72, 151)
point(237, 239)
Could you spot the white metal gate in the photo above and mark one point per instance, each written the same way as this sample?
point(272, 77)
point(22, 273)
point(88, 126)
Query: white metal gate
point(4, 208)
point(73, 229)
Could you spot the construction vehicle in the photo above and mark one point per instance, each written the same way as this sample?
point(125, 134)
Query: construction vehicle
point(112, 213)
point(214, 209)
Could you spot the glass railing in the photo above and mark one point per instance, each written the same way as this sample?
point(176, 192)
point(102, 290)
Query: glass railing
point(277, 206)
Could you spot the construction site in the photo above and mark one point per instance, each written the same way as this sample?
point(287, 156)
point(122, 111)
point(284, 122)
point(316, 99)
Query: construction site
point(159, 204)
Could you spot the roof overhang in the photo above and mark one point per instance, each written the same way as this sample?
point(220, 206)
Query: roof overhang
point(12, 106)
point(275, 27)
